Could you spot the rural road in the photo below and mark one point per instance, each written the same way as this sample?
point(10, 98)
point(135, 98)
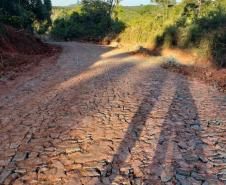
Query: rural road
point(103, 116)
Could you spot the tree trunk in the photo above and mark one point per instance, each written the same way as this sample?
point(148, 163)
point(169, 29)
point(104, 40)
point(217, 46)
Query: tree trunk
point(199, 6)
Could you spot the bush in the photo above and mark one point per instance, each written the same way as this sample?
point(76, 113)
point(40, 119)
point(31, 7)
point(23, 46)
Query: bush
point(219, 49)
point(204, 32)
point(170, 36)
point(22, 14)
point(181, 26)
point(93, 22)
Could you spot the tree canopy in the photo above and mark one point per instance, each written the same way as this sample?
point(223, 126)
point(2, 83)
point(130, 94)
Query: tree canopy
point(23, 13)
point(93, 22)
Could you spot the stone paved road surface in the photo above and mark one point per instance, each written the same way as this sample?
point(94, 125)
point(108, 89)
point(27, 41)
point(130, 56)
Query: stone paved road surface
point(102, 116)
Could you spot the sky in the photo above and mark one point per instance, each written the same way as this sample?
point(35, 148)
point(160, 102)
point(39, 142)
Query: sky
point(124, 2)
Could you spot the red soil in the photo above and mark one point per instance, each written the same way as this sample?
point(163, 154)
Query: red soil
point(19, 51)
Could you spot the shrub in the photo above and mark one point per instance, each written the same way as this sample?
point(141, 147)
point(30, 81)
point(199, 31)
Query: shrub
point(181, 26)
point(219, 49)
point(205, 32)
point(22, 14)
point(93, 22)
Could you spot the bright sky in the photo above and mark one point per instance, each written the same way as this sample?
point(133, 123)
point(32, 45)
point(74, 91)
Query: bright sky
point(124, 2)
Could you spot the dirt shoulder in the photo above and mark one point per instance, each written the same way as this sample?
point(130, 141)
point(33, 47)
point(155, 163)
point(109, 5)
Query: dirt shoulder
point(210, 75)
point(22, 54)
point(189, 64)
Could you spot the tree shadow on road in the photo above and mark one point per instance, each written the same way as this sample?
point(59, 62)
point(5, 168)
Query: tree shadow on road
point(179, 142)
point(138, 121)
point(179, 156)
point(57, 107)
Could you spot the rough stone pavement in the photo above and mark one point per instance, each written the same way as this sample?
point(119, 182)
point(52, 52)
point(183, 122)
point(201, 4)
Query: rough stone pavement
point(102, 116)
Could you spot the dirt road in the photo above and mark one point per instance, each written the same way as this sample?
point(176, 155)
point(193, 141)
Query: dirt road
point(102, 116)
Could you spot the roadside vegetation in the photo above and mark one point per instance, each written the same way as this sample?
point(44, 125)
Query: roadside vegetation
point(19, 48)
point(92, 20)
point(195, 25)
point(180, 26)
point(30, 15)
point(187, 25)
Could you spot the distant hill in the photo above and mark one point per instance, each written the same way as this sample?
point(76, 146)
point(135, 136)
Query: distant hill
point(68, 6)
point(72, 5)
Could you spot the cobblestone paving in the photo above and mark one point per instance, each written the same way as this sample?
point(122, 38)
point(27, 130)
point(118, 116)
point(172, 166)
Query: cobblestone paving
point(101, 116)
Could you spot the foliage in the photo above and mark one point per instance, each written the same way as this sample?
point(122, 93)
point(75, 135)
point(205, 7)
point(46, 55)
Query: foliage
point(63, 12)
point(93, 22)
point(204, 32)
point(164, 3)
point(183, 26)
point(145, 23)
point(23, 13)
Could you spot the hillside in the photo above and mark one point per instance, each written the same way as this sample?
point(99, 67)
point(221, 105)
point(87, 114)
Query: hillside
point(19, 51)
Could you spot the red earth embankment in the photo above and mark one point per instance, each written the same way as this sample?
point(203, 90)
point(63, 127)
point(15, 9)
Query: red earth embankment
point(20, 51)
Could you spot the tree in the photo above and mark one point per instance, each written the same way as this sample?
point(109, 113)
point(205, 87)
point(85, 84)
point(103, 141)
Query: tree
point(48, 10)
point(24, 13)
point(48, 5)
point(113, 5)
point(94, 21)
point(164, 3)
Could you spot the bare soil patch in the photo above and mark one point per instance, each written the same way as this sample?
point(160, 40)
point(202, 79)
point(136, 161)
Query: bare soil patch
point(211, 75)
point(189, 64)
point(20, 51)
